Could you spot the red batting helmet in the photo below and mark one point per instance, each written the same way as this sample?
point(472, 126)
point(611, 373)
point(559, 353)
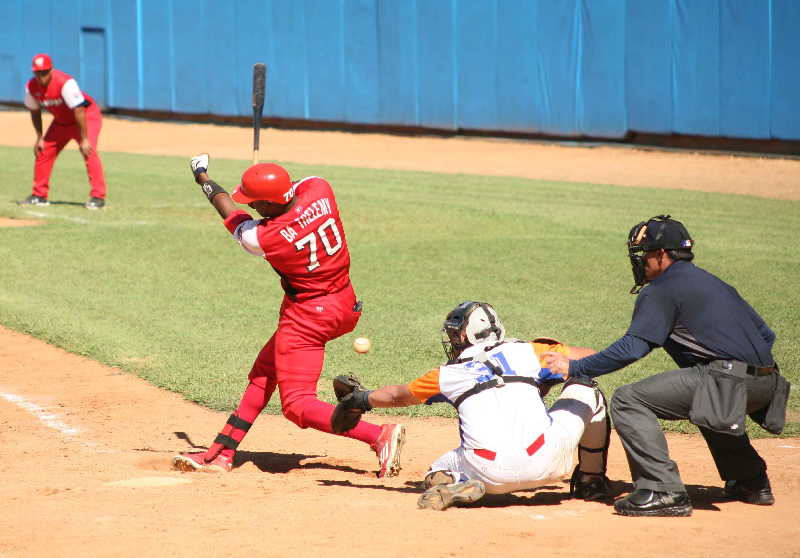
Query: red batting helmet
point(264, 182)
point(41, 62)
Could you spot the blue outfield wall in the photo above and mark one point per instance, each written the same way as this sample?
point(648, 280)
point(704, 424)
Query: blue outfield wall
point(594, 68)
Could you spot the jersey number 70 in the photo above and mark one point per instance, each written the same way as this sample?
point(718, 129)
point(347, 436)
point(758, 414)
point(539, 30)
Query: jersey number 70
point(327, 228)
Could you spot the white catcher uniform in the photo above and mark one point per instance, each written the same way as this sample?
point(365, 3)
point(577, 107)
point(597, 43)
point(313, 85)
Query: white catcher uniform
point(509, 439)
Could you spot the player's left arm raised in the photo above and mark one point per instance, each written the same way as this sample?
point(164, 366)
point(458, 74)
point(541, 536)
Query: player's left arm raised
point(215, 193)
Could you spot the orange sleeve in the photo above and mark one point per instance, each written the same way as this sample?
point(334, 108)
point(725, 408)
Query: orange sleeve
point(426, 386)
point(542, 345)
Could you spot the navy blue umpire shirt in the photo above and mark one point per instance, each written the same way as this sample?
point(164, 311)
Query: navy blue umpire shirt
point(695, 316)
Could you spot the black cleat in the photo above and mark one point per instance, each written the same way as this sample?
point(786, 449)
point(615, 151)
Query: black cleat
point(34, 200)
point(95, 203)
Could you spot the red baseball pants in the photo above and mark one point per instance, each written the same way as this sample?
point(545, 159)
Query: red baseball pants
point(56, 137)
point(292, 361)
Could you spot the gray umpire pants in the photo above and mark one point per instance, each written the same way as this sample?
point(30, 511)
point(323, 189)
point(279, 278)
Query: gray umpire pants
point(636, 408)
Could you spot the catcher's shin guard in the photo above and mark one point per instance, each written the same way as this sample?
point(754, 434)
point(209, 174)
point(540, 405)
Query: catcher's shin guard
point(593, 445)
point(589, 481)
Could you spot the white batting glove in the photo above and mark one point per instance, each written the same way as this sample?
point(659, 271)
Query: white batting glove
point(199, 163)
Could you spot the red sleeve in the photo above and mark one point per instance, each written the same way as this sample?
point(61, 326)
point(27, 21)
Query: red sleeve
point(235, 219)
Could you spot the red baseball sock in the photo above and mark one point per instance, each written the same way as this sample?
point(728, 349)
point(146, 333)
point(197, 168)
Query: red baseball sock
point(316, 414)
point(252, 403)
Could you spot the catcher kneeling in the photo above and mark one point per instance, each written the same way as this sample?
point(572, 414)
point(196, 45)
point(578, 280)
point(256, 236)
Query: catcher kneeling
point(509, 440)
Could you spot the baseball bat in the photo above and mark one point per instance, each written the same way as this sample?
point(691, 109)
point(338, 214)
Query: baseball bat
point(259, 86)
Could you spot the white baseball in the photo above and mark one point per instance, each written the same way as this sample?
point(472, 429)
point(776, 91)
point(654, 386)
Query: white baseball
point(361, 345)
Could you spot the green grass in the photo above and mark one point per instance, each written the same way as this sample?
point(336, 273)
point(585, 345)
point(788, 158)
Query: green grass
point(155, 285)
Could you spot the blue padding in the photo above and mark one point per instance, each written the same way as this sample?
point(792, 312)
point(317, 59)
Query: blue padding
point(326, 63)
point(696, 68)
point(157, 65)
point(254, 44)
point(124, 64)
point(648, 53)
point(600, 109)
point(744, 69)
point(191, 91)
point(785, 92)
point(15, 65)
point(598, 68)
point(557, 28)
point(519, 100)
point(398, 67)
point(360, 99)
point(222, 89)
point(65, 35)
point(436, 57)
point(288, 67)
point(476, 64)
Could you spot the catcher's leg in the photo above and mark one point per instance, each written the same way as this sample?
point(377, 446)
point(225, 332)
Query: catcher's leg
point(583, 398)
point(445, 485)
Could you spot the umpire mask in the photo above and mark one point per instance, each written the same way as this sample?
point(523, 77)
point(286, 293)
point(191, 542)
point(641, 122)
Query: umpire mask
point(659, 232)
point(470, 323)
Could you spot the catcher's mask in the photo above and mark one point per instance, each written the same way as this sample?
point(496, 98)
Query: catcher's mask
point(470, 323)
point(659, 232)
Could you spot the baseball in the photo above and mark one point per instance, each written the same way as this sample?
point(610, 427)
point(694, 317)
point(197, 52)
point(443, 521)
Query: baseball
point(361, 345)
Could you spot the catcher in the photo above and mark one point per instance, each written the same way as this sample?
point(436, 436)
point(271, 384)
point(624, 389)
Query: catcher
point(509, 440)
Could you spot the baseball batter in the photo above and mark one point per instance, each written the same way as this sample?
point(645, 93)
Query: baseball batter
point(75, 116)
point(300, 234)
point(509, 440)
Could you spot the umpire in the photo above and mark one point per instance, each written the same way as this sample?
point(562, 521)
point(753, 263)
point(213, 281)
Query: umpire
point(725, 370)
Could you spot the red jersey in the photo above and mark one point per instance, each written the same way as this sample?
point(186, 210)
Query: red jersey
point(306, 245)
point(52, 97)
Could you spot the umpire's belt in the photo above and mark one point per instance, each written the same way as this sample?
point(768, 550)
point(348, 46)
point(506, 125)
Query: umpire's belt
point(760, 371)
point(531, 449)
point(750, 369)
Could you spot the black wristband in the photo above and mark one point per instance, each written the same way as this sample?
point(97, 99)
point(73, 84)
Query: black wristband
point(361, 400)
point(211, 189)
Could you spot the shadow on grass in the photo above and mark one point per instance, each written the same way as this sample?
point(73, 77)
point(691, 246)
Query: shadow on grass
point(58, 202)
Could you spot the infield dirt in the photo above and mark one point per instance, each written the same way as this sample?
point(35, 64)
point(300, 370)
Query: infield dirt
point(86, 448)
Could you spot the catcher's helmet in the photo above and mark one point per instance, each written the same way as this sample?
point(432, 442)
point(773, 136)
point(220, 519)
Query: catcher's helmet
point(657, 233)
point(471, 323)
point(264, 182)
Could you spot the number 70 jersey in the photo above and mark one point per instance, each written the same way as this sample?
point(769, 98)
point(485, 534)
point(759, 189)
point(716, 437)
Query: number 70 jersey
point(306, 245)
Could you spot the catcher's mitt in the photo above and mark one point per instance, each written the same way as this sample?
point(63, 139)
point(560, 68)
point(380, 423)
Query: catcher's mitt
point(353, 402)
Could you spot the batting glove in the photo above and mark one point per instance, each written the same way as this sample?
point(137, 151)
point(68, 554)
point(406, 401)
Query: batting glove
point(199, 163)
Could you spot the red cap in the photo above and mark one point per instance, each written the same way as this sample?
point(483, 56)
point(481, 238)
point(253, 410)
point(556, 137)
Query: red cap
point(41, 62)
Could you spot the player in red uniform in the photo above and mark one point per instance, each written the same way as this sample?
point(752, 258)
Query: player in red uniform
point(75, 116)
point(302, 237)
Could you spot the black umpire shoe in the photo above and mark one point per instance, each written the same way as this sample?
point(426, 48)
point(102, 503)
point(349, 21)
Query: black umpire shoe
point(754, 491)
point(650, 503)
